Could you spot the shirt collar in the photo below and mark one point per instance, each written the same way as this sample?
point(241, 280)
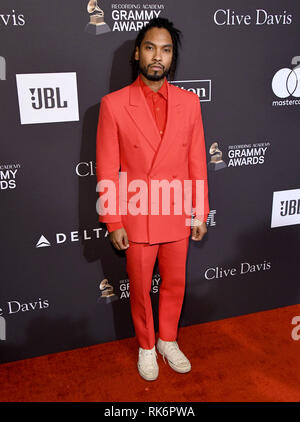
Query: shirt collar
point(163, 91)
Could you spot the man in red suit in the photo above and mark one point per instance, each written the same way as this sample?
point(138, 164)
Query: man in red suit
point(150, 144)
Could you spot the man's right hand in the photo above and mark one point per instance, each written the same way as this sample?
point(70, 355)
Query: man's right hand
point(119, 239)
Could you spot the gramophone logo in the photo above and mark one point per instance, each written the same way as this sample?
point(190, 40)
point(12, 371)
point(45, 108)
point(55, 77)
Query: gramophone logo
point(107, 292)
point(286, 81)
point(216, 161)
point(96, 26)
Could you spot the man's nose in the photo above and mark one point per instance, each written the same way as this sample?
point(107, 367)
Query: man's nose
point(157, 55)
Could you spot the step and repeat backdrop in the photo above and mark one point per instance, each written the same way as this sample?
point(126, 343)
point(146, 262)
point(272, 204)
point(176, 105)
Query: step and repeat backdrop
point(63, 285)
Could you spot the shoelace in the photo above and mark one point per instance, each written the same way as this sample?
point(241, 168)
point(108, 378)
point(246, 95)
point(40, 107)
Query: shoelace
point(148, 353)
point(173, 347)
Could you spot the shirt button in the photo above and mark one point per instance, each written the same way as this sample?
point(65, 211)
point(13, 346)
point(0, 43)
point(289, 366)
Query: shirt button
point(161, 132)
point(157, 108)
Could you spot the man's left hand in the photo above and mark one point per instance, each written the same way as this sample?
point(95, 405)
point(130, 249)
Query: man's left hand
point(198, 230)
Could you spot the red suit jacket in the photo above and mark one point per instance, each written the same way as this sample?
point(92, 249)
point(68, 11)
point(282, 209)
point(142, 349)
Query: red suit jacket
point(128, 141)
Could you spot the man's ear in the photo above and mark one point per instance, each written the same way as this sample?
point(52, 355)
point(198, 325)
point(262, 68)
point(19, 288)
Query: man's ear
point(137, 54)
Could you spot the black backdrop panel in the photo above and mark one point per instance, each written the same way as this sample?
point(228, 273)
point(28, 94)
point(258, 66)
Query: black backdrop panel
point(63, 285)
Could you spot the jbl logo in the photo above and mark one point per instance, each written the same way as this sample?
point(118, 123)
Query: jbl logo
point(290, 207)
point(286, 208)
point(46, 98)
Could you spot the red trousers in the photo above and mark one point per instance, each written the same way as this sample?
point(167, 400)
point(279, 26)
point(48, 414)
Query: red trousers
point(140, 260)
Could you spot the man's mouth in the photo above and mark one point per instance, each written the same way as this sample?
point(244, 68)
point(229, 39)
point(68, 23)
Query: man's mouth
point(156, 67)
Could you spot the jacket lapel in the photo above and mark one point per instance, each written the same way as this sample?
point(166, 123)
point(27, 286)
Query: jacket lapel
point(141, 115)
point(174, 117)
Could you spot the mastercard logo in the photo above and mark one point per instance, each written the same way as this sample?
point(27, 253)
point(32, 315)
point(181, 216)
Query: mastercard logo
point(286, 82)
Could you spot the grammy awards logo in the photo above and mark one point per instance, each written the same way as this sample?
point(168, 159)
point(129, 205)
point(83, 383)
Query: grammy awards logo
point(107, 292)
point(96, 25)
point(216, 162)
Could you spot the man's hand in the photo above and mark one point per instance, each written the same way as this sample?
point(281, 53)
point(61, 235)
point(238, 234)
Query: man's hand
point(199, 230)
point(119, 239)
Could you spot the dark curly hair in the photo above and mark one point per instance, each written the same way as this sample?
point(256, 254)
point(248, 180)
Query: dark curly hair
point(176, 39)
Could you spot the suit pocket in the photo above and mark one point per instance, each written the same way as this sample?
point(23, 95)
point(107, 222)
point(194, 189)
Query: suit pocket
point(184, 136)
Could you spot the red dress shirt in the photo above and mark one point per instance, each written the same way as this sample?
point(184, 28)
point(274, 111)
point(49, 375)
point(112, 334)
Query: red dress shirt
point(158, 104)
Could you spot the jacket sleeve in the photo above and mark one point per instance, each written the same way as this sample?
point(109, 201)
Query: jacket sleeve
point(114, 226)
point(198, 168)
point(107, 165)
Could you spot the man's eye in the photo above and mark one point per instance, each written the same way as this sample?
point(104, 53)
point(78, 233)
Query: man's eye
point(167, 50)
point(148, 46)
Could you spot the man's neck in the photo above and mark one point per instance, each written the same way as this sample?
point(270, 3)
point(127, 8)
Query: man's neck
point(154, 85)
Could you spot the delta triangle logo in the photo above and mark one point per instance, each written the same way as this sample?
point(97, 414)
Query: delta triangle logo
point(42, 242)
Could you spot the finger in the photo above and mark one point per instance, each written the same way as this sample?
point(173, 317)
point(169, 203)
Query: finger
point(196, 238)
point(121, 244)
point(200, 233)
point(194, 233)
point(125, 241)
point(197, 235)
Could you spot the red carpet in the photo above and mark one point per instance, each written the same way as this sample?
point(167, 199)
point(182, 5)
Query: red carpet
point(251, 358)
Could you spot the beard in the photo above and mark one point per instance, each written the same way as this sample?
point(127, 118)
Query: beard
point(155, 76)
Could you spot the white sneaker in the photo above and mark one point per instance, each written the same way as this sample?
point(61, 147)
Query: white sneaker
point(147, 364)
point(176, 359)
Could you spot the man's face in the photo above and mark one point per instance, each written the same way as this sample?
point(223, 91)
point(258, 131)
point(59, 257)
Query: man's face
point(155, 54)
